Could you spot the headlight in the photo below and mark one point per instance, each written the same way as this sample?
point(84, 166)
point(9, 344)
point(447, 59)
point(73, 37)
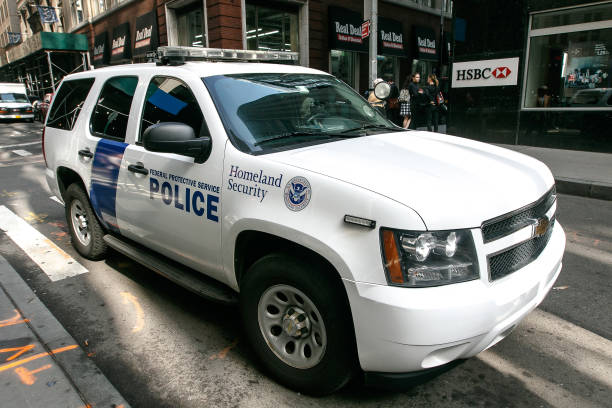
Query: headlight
point(428, 258)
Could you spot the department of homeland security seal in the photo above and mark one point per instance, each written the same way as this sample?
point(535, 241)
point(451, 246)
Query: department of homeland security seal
point(297, 193)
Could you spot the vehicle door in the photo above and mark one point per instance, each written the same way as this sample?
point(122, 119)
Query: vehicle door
point(167, 201)
point(102, 151)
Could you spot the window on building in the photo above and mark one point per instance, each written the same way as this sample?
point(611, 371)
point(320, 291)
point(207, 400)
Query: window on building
point(344, 65)
point(271, 28)
point(77, 11)
point(112, 111)
point(170, 100)
point(569, 62)
point(190, 27)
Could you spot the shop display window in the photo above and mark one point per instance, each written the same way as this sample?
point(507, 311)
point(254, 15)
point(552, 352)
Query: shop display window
point(271, 28)
point(570, 69)
point(190, 27)
point(343, 66)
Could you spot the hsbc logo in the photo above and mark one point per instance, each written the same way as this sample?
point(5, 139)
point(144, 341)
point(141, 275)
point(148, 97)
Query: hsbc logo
point(501, 72)
point(486, 73)
point(497, 72)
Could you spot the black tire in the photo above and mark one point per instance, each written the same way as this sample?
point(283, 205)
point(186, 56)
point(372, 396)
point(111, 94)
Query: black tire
point(77, 202)
point(338, 362)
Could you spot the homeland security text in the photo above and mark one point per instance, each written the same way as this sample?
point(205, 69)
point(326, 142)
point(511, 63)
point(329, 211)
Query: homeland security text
point(256, 177)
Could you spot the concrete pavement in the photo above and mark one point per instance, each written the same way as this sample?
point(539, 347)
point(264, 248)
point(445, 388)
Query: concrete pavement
point(41, 365)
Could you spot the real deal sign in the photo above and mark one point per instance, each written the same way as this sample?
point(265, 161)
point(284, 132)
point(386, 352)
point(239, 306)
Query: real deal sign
point(498, 72)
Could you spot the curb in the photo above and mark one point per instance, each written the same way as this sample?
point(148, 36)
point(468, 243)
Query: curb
point(583, 189)
point(86, 377)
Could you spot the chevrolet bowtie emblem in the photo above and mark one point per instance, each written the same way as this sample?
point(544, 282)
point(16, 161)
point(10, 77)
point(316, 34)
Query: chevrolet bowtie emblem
point(539, 227)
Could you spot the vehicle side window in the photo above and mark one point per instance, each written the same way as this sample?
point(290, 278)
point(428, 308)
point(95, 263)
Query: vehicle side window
point(170, 100)
point(68, 103)
point(112, 111)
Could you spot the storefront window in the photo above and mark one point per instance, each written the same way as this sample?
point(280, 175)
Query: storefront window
point(189, 23)
point(569, 69)
point(343, 65)
point(271, 29)
point(386, 67)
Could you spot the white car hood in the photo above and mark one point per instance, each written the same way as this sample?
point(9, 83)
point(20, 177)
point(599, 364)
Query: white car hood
point(449, 181)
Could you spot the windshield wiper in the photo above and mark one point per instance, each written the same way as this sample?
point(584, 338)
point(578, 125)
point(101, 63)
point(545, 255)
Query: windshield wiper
point(372, 126)
point(292, 134)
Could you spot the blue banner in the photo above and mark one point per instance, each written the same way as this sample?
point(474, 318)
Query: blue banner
point(47, 14)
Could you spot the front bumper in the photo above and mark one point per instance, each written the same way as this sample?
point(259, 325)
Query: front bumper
point(402, 330)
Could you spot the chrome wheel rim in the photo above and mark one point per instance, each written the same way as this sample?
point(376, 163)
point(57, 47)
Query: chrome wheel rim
point(80, 223)
point(292, 326)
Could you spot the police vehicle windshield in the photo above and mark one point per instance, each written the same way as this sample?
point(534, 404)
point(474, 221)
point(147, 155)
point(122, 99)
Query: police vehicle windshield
point(270, 112)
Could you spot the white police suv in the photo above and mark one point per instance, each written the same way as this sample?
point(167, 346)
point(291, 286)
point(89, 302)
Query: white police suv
point(350, 244)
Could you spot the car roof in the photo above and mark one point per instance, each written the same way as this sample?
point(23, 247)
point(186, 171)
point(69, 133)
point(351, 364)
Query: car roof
point(201, 69)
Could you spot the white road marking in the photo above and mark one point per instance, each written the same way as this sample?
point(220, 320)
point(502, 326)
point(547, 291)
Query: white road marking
point(22, 153)
point(56, 263)
point(20, 145)
point(57, 200)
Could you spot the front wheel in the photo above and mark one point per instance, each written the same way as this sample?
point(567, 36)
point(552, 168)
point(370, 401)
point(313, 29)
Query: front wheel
point(297, 319)
point(85, 230)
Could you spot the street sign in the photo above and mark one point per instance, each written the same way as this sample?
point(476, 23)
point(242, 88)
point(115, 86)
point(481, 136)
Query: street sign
point(365, 29)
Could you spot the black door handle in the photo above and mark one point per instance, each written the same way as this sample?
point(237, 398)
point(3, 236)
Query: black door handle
point(86, 153)
point(138, 168)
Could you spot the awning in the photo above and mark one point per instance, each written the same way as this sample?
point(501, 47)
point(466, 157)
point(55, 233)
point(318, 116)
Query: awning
point(44, 40)
point(100, 51)
point(345, 30)
point(390, 37)
point(426, 44)
point(120, 44)
point(146, 33)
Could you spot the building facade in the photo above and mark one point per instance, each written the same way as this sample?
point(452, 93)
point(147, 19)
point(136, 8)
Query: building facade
point(325, 34)
point(553, 87)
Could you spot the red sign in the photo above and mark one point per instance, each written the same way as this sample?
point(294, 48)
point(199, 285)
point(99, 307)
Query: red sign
point(501, 72)
point(365, 29)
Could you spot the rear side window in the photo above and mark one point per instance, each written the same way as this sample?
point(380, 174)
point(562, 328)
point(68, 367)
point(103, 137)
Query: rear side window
point(170, 100)
point(68, 103)
point(112, 111)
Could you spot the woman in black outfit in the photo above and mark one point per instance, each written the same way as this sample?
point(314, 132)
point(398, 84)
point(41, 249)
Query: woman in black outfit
point(416, 95)
point(432, 112)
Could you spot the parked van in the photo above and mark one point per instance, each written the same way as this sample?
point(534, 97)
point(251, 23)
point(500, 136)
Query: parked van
point(14, 103)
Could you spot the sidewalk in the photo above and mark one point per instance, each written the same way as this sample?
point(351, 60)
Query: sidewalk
point(586, 174)
point(41, 365)
point(580, 173)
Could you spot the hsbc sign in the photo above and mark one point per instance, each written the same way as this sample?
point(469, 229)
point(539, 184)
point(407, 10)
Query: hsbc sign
point(499, 72)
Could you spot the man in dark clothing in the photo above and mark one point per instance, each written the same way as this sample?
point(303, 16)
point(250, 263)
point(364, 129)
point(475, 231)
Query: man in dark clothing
point(393, 106)
point(416, 100)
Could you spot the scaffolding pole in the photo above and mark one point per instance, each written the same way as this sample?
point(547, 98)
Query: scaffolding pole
point(50, 70)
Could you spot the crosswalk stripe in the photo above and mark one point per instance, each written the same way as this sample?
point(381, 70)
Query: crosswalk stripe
point(22, 153)
point(56, 263)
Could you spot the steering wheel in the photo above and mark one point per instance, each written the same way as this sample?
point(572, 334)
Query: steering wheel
point(314, 118)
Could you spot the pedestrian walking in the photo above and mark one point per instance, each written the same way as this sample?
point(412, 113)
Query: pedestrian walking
point(417, 100)
point(432, 113)
point(404, 100)
point(376, 103)
point(393, 105)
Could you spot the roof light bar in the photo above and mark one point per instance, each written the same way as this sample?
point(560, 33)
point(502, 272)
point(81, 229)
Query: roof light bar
point(174, 54)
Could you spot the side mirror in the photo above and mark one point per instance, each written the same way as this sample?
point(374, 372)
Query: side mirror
point(382, 90)
point(179, 138)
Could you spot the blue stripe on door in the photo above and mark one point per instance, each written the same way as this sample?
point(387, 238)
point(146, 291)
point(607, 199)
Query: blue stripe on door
point(104, 176)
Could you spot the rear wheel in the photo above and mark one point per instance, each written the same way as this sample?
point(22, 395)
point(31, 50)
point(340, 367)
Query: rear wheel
point(85, 230)
point(297, 320)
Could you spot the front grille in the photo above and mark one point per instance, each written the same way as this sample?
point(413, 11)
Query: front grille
point(515, 258)
point(509, 223)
